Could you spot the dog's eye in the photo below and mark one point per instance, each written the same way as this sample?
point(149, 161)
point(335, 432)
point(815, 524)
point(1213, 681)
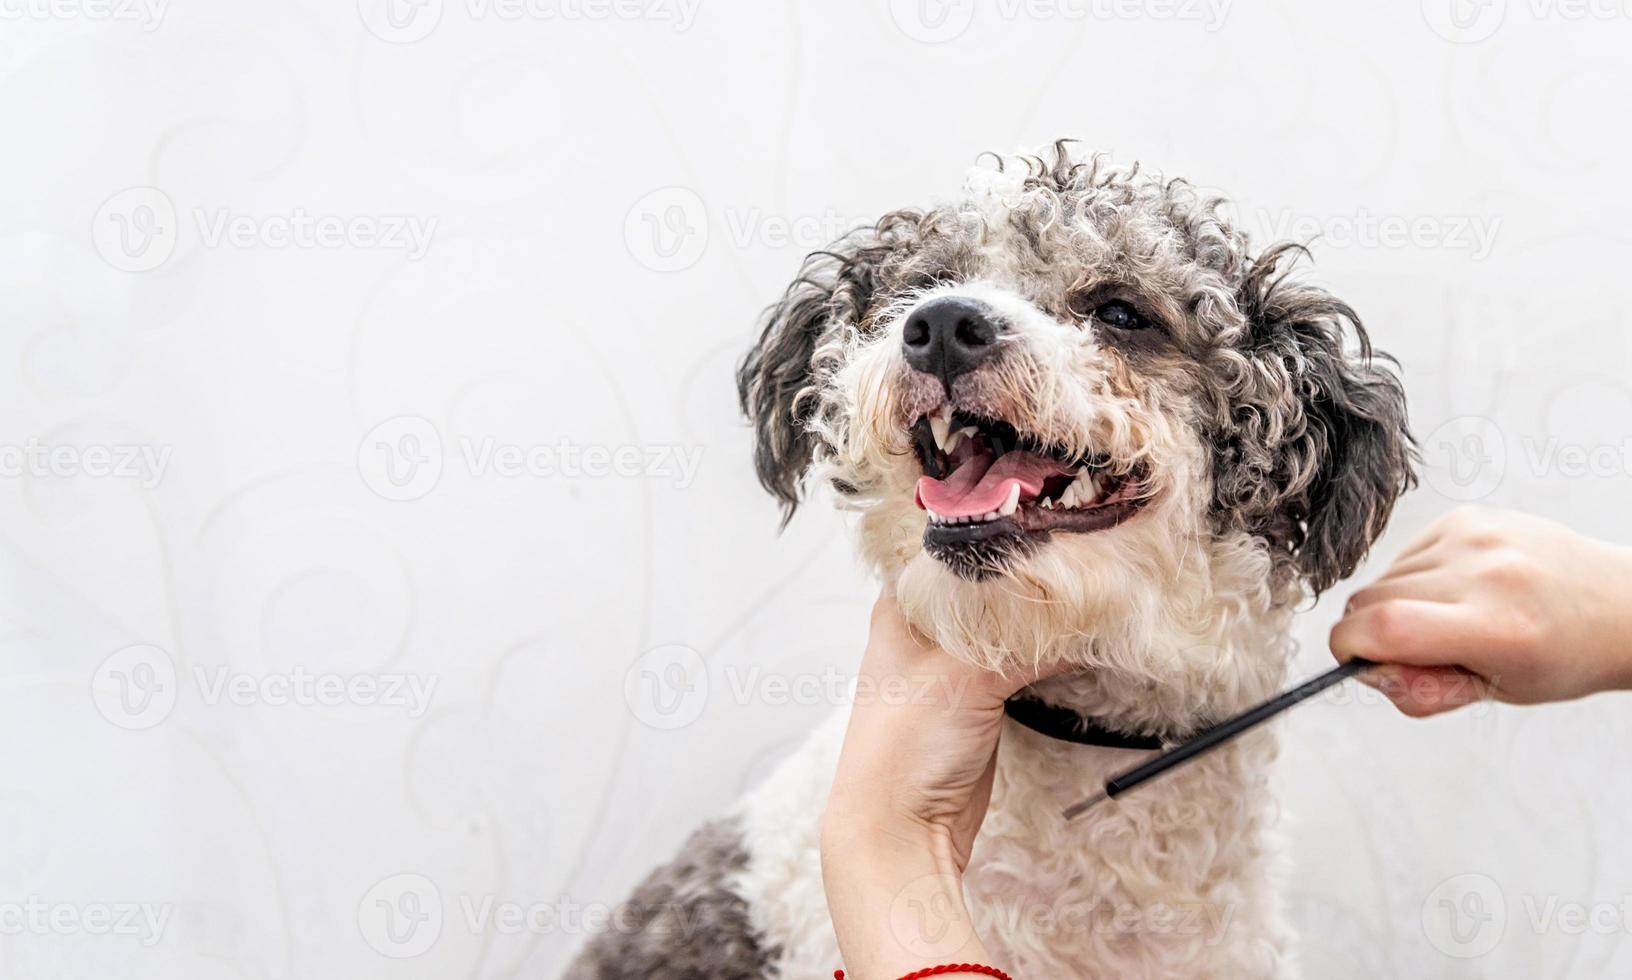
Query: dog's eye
point(1121, 315)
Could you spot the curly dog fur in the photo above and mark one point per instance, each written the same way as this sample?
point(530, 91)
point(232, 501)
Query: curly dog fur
point(1262, 445)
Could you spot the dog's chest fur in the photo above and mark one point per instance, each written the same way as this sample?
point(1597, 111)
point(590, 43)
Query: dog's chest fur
point(1178, 880)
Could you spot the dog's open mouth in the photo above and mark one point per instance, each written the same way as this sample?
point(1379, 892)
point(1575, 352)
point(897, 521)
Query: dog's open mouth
point(988, 487)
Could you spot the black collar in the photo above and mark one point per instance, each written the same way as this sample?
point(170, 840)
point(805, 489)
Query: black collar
point(1068, 726)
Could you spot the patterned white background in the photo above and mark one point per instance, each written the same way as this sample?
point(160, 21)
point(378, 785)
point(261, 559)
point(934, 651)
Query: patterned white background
point(380, 546)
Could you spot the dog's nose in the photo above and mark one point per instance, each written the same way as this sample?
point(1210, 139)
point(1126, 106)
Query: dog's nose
point(949, 336)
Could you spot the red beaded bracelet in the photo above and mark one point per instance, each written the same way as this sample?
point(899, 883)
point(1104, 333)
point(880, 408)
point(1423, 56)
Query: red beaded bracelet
point(935, 971)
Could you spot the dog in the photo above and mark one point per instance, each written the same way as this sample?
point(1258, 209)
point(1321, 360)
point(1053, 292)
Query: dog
point(1083, 424)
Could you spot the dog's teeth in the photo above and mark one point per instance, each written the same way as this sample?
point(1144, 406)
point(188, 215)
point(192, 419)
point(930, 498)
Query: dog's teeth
point(1012, 502)
point(991, 515)
point(1047, 504)
point(934, 518)
point(1083, 490)
point(952, 442)
point(944, 413)
point(1068, 499)
point(939, 424)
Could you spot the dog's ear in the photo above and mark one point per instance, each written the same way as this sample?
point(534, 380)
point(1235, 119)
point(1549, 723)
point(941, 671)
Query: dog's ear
point(1327, 427)
point(777, 382)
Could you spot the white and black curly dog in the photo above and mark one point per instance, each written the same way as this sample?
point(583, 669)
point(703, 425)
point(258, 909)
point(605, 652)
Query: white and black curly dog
point(1081, 422)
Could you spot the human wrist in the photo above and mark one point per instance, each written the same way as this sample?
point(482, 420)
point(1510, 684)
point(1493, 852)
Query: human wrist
point(896, 899)
point(1614, 624)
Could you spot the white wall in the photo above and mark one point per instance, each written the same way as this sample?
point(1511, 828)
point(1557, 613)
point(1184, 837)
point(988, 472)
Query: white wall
point(548, 151)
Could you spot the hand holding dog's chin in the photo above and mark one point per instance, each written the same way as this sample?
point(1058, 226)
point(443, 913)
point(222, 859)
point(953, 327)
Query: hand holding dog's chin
point(912, 786)
point(1490, 603)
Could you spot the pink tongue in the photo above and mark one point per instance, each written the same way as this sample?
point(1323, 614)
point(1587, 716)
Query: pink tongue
point(981, 486)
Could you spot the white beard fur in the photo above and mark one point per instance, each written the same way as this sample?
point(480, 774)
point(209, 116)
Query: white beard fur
point(1180, 878)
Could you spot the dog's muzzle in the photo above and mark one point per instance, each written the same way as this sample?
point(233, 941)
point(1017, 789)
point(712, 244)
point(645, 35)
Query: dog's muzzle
point(949, 337)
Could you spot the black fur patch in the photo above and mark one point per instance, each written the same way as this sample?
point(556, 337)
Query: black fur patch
point(683, 922)
point(1320, 482)
point(835, 289)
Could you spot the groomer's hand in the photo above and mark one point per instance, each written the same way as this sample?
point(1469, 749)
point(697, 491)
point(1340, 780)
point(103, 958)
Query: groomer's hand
point(912, 786)
point(1494, 603)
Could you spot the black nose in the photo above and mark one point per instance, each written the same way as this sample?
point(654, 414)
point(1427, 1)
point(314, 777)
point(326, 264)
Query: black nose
point(949, 336)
